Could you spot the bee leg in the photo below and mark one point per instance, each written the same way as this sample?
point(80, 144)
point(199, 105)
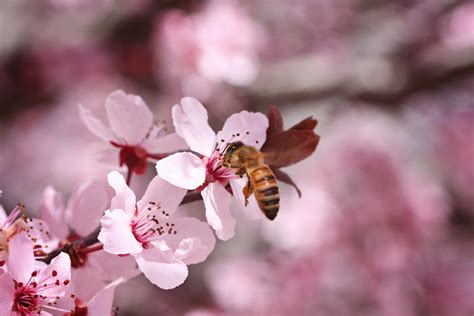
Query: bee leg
point(247, 191)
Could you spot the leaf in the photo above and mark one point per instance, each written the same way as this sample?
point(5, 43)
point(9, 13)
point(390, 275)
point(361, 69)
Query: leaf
point(285, 178)
point(308, 123)
point(275, 121)
point(289, 147)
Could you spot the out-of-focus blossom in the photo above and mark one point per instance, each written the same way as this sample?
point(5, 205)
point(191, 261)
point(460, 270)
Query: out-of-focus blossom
point(28, 288)
point(458, 28)
point(451, 133)
point(91, 270)
point(132, 131)
point(206, 172)
point(217, 44)
point(163, 245)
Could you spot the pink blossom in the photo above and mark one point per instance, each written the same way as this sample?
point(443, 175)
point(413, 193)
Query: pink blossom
point(132, 131)
point(215, 45)
point(205, 172)
point(161, 243)
point(100, 304)
point(91, 271)
point(29, 288)
point(15, 223)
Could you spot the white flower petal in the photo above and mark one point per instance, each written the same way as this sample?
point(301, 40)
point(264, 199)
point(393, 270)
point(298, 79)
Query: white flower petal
point(247, 127)
point(190, 122)
point(184, 170)
point(160, 191)
point(162, 269)
point(53, 212)
point(86, 206)
point(7, 294)
point(21, 261)
point(116, 234)
point(95, 125)
point(129, 117)
point(166, 144)
point(124, 197)
point(217, 202)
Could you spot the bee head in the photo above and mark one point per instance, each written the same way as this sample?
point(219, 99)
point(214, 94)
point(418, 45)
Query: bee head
point(229, 150)
point(233, 147)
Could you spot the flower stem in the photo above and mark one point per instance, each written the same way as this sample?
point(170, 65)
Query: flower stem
point(92, 249)
point(129, 176)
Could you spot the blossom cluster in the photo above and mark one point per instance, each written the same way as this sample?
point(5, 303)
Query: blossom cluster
point(70, 260)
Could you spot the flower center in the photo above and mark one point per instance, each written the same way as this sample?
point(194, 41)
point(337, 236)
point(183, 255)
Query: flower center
point(151, 223)
point(215, 171)
point(33, 296)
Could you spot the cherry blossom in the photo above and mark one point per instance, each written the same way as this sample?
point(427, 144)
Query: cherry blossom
point(162, 244)
point(91, 270)
point(202, 50)
point(100, 304)
point(15, 223)
point(205, 172)
point(132, 131)
point(29, 288)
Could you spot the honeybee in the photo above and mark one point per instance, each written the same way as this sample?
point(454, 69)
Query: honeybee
point(261, 180)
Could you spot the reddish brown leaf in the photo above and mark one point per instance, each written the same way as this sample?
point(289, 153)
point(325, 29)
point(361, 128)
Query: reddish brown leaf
point(308, 123)
point(285, 178)
point(275, 121)
point(289, 147)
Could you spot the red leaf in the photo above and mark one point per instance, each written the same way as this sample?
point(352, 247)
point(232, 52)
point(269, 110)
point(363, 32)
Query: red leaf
point(289, 147)
point(308, 123)
point(285, 178)
point(275, 121)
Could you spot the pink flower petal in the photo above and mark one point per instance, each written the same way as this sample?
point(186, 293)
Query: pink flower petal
point(194, 241)
point(7, 294)
point(124, 197)
point(238, 124)
point(39, 232)
point(116, 233)
point(190, 121)
point(58, 272)
point(252, 210)
point(129, 117)
point(168, 196)
point(3, 215)
point(53, 213)
point(112, 267)
point(162, 269)
point(88, 280)
point(95, 125)
point(86, 206)
point(101, 303)
point(21, 261)
point(217, 202)
point(166, 144)
point(184, 170)
point(110, 157)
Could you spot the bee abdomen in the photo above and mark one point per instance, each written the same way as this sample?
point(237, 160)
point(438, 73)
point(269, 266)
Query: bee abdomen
point(266, 191)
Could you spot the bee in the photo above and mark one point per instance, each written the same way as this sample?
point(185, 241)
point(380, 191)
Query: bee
point(261, 180)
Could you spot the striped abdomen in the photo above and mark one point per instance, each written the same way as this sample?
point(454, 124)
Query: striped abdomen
point(265, 189)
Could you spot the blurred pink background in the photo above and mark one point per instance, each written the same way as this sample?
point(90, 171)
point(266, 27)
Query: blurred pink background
point(385, 225)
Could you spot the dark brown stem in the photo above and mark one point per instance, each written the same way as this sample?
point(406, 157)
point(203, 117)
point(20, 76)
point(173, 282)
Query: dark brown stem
point(91, 239)
point(129, 176)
